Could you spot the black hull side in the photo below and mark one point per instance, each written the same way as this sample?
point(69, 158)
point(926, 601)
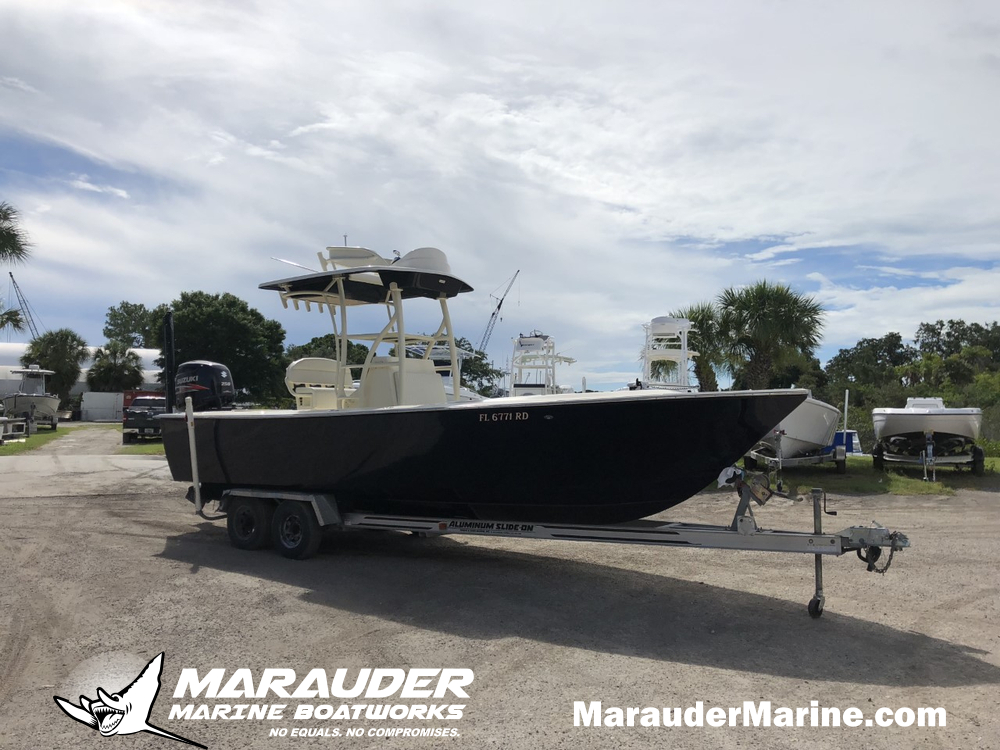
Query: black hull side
point(560, 461)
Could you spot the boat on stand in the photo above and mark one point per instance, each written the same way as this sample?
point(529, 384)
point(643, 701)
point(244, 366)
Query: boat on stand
point(806, 436)
point(32, 401)
point(398, 443)
point(927, 433)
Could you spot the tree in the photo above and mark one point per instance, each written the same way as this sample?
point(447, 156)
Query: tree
point(14, 248)
point(872, 361)
point(63, 352)
point(14, 244)
point(478, 373)
point(949, 339)
point(761, 325)
point(11, 319)
point(799, 371)
point(225, 329)
point(135, 324)
point(704, 338)
point(116, 368)
point(326, 346)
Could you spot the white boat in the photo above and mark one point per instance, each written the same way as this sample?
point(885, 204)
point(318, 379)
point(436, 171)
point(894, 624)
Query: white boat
point(908, 431)
point(533, 366)
point(666, 342)
point(32, 400)
point(808, 429)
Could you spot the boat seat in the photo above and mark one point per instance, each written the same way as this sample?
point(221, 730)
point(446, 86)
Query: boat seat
point(421, 384)
point(312, 381)
point(313, 372)
point(380, 387)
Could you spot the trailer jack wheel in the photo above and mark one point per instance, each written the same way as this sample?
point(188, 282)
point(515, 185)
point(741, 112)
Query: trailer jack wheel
point(295, 532)
point(815, 608)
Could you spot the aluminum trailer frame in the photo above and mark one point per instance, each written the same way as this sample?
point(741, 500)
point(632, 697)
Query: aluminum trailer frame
point(294, 522)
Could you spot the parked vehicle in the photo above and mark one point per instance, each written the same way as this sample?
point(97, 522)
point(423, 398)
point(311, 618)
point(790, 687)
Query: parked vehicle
point(140, 420)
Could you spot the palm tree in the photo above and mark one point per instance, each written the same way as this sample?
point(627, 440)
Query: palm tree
point(11, 319)
point(63, 352)
point(14, 245)
point(116, 368)
point(13, 249)
point(762, 323)
point(704, 338)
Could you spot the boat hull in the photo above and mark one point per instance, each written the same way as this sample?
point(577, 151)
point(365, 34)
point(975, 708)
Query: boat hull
point(587, 458)
point(46, 408)
point(905, 431)
point(808, 429)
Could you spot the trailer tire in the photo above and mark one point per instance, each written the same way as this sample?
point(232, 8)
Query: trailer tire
point(978, 461)
point(248, 521)
point(842, 466)
point(878, 463)
point(750, 463)
point(295, 532)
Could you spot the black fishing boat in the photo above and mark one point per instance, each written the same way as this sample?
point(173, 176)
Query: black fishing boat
point(384, 437)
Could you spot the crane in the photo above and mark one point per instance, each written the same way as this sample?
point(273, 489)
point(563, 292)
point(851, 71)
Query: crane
point(24, 308)
point(496, 314)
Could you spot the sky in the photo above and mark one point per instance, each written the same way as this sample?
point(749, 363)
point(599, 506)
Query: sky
point(628, 158)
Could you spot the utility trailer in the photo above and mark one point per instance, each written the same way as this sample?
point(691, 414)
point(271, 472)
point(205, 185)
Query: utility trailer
point(294, 523)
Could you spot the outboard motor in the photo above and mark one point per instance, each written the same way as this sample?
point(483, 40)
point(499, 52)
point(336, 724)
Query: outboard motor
point(209, 384)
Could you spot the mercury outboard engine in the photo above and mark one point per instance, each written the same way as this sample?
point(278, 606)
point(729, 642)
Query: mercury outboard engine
point(209, 384)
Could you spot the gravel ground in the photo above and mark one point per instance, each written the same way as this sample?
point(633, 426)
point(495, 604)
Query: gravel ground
point(104, 564)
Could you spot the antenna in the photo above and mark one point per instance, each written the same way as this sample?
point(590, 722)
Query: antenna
point(345, 240)
point(24, 308)
point(293, 263)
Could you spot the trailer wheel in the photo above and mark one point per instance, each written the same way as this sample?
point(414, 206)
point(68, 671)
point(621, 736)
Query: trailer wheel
point(750, 463)
point(878, 462)
point(842, 466)
point(248, 521)
point(978, 463)
point(295, 532)
point(815, 608)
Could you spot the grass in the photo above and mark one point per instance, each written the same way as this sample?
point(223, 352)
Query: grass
point(862, 479)
point(145, 448)
point(45, 435)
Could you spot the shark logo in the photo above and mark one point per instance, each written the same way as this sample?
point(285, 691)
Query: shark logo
point(126, 712)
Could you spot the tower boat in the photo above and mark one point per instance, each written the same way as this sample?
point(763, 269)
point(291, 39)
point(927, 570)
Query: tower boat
point(386, 437)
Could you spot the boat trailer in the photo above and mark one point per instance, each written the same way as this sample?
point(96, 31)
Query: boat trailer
point(975, 458)
point(294, 522)
point(771, 457)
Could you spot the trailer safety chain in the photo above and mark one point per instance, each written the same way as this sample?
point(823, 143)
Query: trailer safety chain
point(870, 555)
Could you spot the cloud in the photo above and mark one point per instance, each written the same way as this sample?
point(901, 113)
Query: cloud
point(81, 182)
point(17, 84)
point(629, 163)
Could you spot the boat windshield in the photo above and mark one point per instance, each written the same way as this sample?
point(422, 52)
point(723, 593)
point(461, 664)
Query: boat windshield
point(33, 382)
